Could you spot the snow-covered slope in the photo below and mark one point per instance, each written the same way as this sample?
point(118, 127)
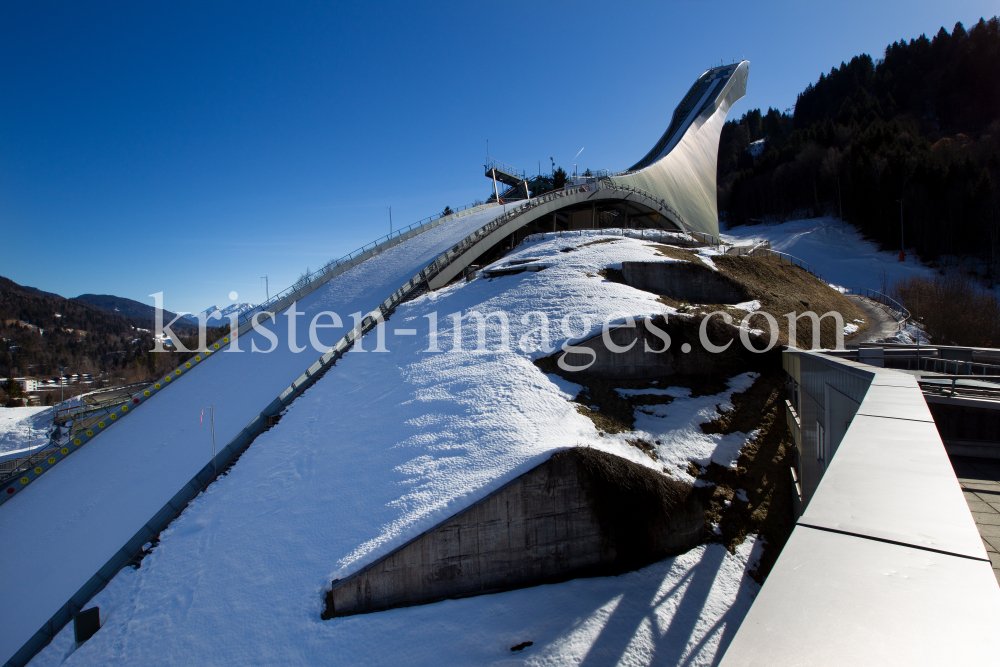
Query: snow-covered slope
point(835, 249)
point(216, 316)
point(63, 527)
point(386, 445)
point(23, 428)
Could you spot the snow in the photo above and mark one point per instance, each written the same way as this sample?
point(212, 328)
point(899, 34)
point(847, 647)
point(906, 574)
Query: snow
point(387, 445)
point(835, 249)
point(748, 306)
point(679, 611)
point(128, 473)
point(216, 316)
point(24, 428)
point(677, 426)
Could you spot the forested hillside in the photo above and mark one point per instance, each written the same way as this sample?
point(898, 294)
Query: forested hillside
point(921, 124)
point(41, 332)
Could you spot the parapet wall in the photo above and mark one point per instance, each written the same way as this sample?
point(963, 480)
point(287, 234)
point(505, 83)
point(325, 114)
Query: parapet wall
point(685, 281)
point(581, 513)
point(885, 566)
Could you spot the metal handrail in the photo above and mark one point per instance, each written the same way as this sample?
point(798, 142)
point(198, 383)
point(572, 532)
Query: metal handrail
point(14, 467)
point(792, 259)
point(505, 168)
point(883, 299)
point(334, 263)
point(90, 407)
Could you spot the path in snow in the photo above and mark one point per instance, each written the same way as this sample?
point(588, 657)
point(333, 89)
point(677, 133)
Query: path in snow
point(881, 325)
point(835, 249)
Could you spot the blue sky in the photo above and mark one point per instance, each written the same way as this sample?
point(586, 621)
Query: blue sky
point(191, 148)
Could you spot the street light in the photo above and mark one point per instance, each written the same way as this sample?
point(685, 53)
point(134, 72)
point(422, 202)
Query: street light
point(62, 382)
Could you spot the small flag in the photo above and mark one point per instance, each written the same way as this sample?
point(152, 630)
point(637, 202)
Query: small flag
point(201, 417)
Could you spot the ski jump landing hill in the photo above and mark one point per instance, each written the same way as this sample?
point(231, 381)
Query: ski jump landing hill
point(70, 524)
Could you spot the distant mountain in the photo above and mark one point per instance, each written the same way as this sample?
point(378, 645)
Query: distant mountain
point(43, 331)
point(35, 290)
point(223, 313)
point(143, 314)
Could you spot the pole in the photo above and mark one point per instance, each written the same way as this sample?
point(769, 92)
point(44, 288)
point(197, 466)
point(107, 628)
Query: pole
point(902, 241)
point(211, 409)
point(390, 220)
point(214, 469)
point(840, 201)
point(267, 289)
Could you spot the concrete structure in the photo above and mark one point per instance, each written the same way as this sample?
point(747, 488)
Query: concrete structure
point(638, 351)
point(26, 384)
point(681, 167)
point(980, 480)
point(885, 565)
point(969, 426)
point(684, 281)
point(581, 513)
point(672, 187)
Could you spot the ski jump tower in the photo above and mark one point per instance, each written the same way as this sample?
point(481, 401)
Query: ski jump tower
point(681, 167)
point(672, 187)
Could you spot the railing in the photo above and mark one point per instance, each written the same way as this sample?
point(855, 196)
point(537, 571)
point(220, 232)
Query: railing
point(14, 467)
point(334, 263)
point(552, 195)
point(739, 251)
point(785, 257)
point(880, 298)
point(92, 403)
point(505, 168)
point(936, 385)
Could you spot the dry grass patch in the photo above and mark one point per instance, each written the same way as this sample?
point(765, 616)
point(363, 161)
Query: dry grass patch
point(675, 253)
point(783, 288)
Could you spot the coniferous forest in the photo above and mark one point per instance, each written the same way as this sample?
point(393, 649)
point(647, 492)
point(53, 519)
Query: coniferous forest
point(921, 124)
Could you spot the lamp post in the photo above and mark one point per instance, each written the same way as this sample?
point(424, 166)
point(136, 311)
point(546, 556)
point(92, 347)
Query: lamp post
point(211, 408)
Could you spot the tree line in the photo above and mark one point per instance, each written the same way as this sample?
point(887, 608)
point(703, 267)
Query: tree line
point(920, 125)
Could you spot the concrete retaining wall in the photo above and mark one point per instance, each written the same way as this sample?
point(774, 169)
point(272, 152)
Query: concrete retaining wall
point(685, 281)
point(581, 513)
point(644, 359)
